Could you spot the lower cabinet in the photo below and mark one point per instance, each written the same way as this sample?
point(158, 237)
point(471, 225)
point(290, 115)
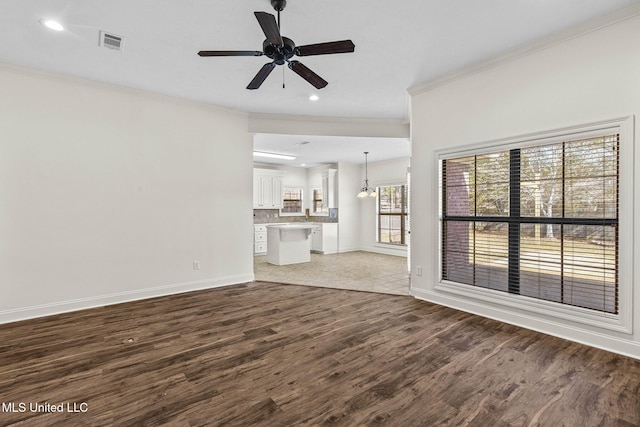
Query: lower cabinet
point(259, 239)
point(324, 238)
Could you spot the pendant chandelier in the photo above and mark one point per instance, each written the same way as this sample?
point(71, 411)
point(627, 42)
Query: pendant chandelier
point(366, 191)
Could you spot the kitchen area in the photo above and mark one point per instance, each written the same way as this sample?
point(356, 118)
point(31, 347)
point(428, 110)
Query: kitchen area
point(301, 237)
point(288, 224)
point(309, 225)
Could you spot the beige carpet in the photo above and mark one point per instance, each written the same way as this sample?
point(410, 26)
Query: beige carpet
point(360, 271)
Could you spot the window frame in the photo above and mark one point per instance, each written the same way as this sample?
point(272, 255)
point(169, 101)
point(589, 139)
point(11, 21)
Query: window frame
point(301, 212)
point(404, 216)
point(324, 210)
point(621, 322)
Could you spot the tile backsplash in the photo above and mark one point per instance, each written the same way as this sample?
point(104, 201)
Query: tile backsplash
point(263, 216)
point(266, 216)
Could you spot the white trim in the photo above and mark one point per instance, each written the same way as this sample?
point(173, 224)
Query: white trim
point(389, 183)
point(624, 124)
point(352, 249)
point(623, 322)
point(24, 313)
point(302, 201)
point(536, 306)
point(390, 249)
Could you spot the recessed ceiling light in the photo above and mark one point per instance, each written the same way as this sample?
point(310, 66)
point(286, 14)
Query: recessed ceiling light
point(52, 24)
point(273, 155)
point(314, 97)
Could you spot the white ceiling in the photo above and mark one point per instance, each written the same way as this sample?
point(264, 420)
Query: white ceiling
point(313, 151)
point(398, 44)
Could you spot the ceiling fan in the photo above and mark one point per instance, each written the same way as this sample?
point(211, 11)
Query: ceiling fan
point(281, 49)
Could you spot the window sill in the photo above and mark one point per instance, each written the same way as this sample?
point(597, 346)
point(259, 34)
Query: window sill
point(532, 305)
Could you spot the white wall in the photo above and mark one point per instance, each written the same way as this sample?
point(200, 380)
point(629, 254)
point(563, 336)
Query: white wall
point(389, 172)
point(586, 79)
point(109, 194)
point(348, 207)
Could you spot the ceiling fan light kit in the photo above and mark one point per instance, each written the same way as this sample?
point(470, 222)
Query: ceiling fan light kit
point(282, 49)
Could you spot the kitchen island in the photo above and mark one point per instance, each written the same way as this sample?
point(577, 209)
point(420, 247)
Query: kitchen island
point(289, 243)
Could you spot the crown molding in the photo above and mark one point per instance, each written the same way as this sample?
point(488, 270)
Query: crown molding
point(596, 24)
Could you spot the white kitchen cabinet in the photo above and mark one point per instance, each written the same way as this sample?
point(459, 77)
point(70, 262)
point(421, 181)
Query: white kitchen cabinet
point(324, 238)
point(267, 189)
point(316, 238)
point(259, 239)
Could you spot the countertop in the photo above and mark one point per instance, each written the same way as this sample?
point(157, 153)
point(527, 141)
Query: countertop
point(291, 226)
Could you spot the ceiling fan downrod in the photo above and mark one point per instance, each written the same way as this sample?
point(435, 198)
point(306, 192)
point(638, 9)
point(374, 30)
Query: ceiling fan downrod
point(279, 6)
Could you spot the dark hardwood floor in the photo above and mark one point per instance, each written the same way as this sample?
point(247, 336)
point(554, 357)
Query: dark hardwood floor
point(265, 354)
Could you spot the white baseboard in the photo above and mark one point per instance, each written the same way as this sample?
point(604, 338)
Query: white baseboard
point(350, 249)
point(24, 313)
point(389, 250)
point(599, 340)
point(375, 250)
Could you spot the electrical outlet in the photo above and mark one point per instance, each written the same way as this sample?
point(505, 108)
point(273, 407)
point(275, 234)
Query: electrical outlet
point(418, 270)
point(196, 265)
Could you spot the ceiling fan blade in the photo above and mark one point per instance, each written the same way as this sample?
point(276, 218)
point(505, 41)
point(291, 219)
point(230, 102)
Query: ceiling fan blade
point(342, 46)
point(303, 71)
point(269, 27)
point(230, 53)
point(262, 75)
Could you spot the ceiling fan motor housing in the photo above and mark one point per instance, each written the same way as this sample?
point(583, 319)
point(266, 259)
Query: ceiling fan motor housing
point(279, 54)
point(279, 5)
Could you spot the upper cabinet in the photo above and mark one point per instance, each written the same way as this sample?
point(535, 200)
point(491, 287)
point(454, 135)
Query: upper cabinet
point(267, 189)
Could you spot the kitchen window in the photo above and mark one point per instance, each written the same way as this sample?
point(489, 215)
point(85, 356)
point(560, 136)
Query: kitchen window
point(292, 201)
point(392, 214)
point(536, 220)
point(318, 200)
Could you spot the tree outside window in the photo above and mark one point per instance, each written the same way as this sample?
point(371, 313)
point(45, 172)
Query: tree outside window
point(539, 221)
point(392, 214)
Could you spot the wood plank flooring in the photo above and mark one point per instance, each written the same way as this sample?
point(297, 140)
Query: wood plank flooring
point(267, 354)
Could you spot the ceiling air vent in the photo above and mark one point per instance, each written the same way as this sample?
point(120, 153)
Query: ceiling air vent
point(111, 41)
